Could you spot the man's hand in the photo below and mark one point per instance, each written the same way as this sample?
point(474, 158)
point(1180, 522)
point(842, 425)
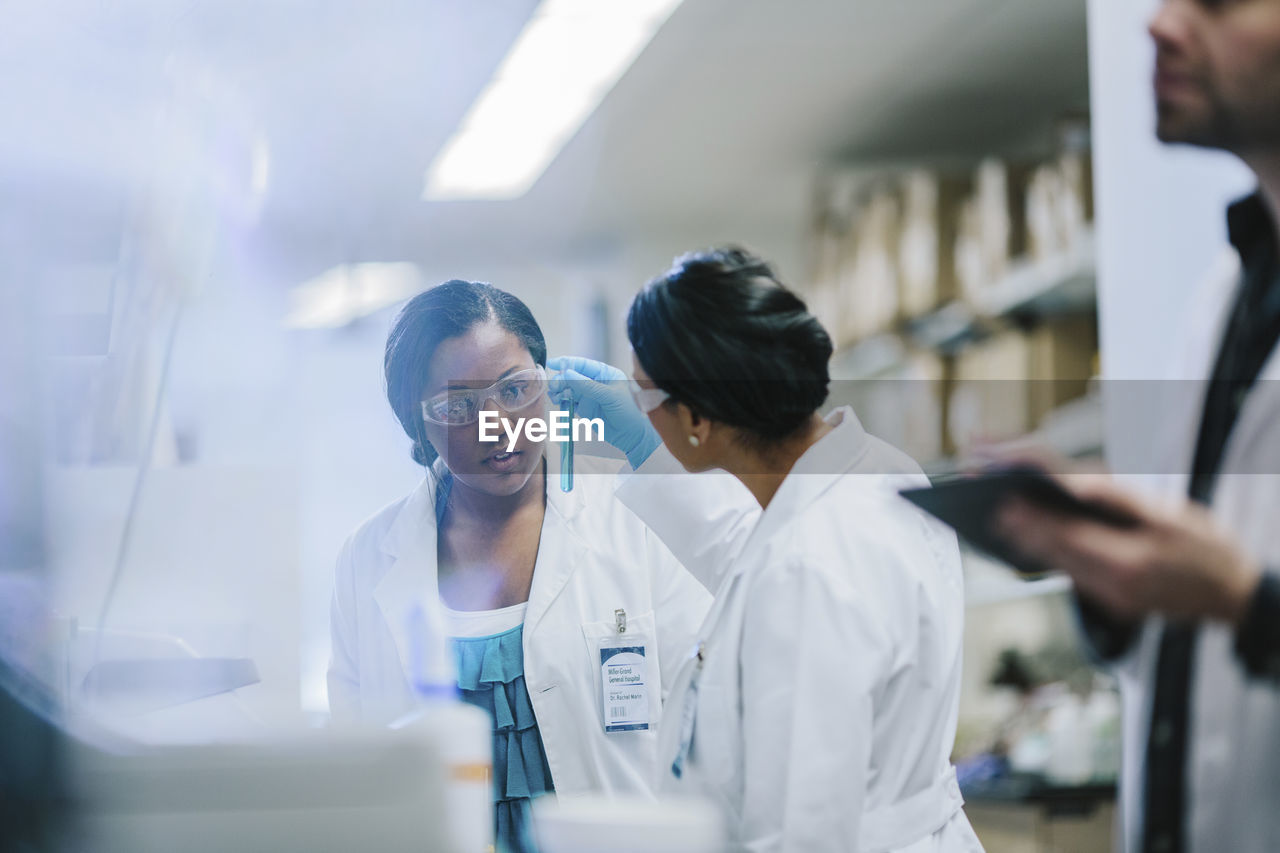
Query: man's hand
point(1174, 561)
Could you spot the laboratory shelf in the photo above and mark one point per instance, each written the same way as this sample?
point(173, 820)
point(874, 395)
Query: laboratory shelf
point(1075, 430)
point(1058, 284)
point(870, 357)
point(1064, 283)
point(947, 329)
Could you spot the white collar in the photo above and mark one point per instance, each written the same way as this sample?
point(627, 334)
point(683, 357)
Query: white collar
point(818, 469)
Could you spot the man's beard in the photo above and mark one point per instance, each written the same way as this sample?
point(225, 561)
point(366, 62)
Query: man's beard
point(1222, 126)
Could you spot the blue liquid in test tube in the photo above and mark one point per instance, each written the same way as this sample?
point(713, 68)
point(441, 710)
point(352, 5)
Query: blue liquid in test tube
point(566, 449)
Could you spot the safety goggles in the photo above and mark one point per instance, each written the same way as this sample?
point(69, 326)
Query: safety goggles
point(647, 399)
point(461, 406)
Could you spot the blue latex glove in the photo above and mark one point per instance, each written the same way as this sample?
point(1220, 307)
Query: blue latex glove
point(600, 391)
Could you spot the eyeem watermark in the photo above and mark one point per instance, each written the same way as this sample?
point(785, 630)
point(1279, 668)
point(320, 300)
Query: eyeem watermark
point(559, 428)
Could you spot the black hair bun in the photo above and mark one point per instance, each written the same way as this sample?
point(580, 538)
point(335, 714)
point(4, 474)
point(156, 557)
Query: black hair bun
point(720, 333)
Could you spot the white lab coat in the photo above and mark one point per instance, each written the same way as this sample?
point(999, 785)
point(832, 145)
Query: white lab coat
point(594, 557)
point(1233, 769)
point(824, 713)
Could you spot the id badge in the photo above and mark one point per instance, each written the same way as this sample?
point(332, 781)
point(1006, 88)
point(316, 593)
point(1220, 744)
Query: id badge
point(624, 691)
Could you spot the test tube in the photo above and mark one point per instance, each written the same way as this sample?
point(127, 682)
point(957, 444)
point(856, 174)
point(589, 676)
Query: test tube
point(566, 450)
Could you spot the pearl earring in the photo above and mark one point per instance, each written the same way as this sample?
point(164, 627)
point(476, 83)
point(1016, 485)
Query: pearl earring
point(693, 439)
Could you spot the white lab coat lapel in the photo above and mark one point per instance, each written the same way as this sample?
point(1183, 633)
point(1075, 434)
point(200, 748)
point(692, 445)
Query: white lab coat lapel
point(1181, 401)
point(411, 581)
point(1254, 436)
point(559, 548)
point(1215, 300)
point(1248, 438)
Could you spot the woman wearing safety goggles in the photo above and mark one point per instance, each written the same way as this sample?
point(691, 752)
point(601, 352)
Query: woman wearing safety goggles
point(565, 617)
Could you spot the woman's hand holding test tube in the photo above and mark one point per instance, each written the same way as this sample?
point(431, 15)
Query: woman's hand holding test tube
point(600, 390)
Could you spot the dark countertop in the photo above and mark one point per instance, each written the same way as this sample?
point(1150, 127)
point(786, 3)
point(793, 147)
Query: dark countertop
point(1030, 790)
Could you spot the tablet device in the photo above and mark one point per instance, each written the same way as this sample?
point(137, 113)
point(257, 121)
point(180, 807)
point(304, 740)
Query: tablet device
point(969, 504)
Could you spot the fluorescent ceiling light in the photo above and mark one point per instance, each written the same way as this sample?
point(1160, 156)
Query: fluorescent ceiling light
point(348, 292)
point(567, 58)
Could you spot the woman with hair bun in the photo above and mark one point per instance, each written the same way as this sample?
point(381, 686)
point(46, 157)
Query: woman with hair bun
point(538, 588)
point(819, 703)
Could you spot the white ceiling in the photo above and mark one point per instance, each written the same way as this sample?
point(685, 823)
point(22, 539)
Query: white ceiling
point(719, 127)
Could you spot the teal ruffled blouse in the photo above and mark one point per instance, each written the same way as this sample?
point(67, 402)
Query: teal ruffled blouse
point(491, 677)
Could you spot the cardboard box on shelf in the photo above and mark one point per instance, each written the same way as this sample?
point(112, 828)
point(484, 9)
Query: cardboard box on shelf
point(821, 294)
point(1003, 387)
point(1063, 358)
point(926, 250)
point(989, 398)
point(1076, 161)
point(992, 226)
point(1058, 204)
point(903, 406)
point(1077, 172)
point(967, 258)
point(1045, 235)
point(869, 267)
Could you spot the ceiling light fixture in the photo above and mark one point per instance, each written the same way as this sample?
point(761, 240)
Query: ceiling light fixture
point(567, 58)
point(348, 292)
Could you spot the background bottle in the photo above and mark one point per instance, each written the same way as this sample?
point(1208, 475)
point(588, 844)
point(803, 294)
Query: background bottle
point(462, 734)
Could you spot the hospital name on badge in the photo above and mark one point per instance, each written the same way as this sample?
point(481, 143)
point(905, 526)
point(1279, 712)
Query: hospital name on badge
point(625, 695)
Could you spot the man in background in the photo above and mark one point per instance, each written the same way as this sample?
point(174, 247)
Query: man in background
point(1185, 604)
